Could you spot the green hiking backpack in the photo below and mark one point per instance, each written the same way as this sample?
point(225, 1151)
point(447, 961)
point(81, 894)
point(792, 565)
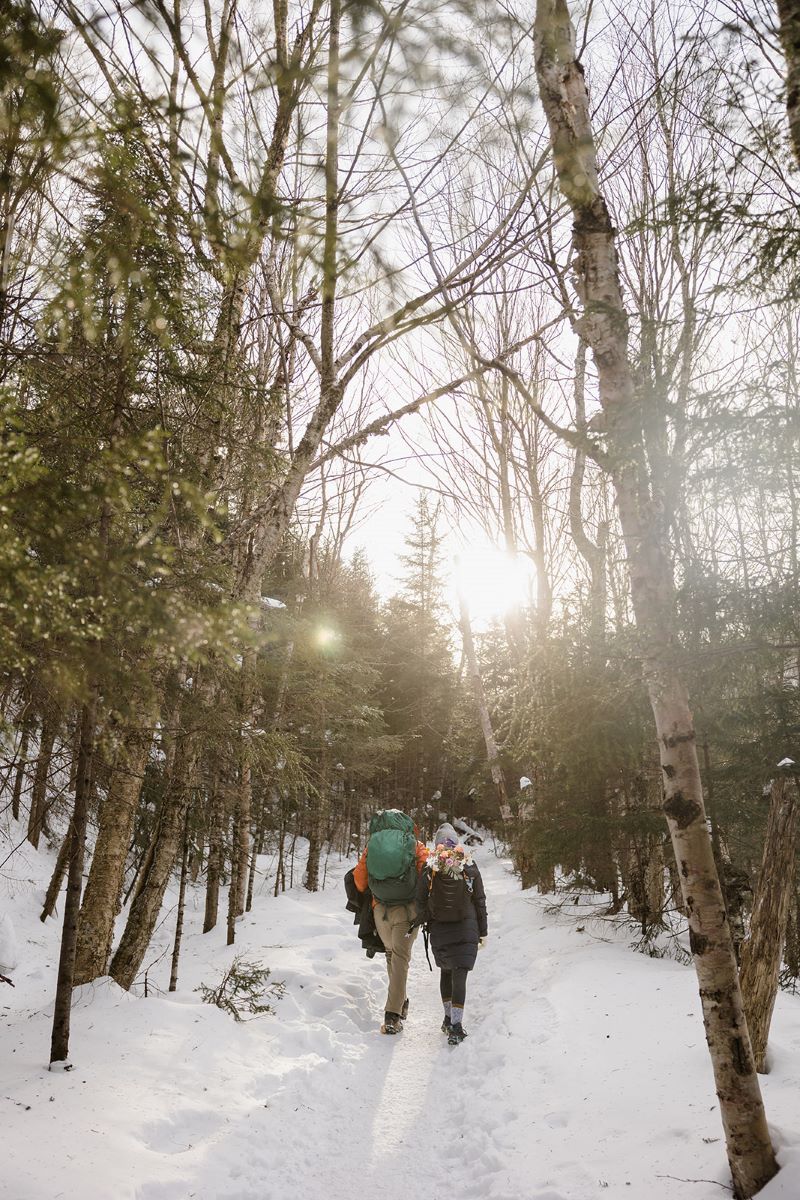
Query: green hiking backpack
point(392, 857)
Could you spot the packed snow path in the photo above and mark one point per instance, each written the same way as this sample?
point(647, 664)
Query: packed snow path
point(584, 1075)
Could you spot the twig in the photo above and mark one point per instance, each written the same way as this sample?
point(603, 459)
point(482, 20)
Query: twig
point(678, 1179)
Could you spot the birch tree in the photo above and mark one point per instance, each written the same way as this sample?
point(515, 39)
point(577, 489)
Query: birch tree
point(604, 326)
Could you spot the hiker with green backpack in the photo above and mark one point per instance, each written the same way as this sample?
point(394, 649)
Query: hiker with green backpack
point(390, 866)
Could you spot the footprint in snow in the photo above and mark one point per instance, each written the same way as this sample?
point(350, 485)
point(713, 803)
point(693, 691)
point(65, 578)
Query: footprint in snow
point(161, 1190)
point(180, 1132)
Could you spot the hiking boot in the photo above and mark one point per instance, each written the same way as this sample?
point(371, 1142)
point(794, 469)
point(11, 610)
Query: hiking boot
point(391, 1023)
point(404, 1012)
point(446, 1023)
point(456, 1034)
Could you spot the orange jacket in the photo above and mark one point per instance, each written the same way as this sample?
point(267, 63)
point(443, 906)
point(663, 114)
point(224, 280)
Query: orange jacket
point(360, 877)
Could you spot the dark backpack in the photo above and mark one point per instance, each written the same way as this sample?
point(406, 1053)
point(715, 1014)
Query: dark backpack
point(392, 857)
point(450, 897)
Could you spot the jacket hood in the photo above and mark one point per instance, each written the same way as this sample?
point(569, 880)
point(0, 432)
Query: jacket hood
point(446, 836)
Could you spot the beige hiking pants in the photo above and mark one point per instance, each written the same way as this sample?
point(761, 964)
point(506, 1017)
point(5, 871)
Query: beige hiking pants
point(392, 922)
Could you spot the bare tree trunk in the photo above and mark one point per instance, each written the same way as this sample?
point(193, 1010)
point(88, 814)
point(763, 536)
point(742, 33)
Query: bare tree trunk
point(604, 326)
point(59, 1045)
point(176, 949)
point(142, 867)
point(56, 880)
point(762, 951)
point(215, 854)
point(319, 817)
point(789, 24)
point(22, 762)
point(791, 950)
point(258, 842)
point(195, 859)
point(733, 882)
point(155, 875)
point(233, 887)
point(643, 879)
point(103, 894)
point(36, 815)
point(292, 850)
point(280, 870)
point(251, 877)
point(593, 555)
point(169, 737)
point(75, 755)
point(473, 669)
point(240, 852)
point(641, 855)
point(654, 880)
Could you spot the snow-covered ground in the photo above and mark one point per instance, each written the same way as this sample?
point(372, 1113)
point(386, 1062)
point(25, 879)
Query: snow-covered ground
point(585, 1073)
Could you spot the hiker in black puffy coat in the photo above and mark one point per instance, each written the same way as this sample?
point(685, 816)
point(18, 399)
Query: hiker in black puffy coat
point(452, 901)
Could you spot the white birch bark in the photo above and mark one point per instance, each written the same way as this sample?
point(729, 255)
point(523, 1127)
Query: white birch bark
point(604, 327)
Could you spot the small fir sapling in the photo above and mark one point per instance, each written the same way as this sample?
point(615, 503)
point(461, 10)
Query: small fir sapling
point(244, 988)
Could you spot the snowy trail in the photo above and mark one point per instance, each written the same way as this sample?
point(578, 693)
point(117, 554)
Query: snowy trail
point(570, 1086)
point(395, 1116)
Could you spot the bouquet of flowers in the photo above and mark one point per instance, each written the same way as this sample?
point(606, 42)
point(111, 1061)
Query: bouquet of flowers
point(450, 860)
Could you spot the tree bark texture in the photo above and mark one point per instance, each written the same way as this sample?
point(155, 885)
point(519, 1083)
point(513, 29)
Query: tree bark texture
point(604, 327)
point(280, 869)
point(731, 894)
point(643, 879)
point(642, 856)
point(258, 848)
point(59, 1045)
point(176, 949)
point(233, 888)
point(791, 951)
point(763, 949)
point(216, 818)
point(102, 899)
point(166, 841)
point(319, 817)
point(56, 879)
point(38, 809)
point(789, 24)
point(244, 791)
point(19, 778)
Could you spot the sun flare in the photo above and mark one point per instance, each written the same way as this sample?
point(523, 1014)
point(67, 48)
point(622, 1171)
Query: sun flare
point(492, 581)
point(325, 637)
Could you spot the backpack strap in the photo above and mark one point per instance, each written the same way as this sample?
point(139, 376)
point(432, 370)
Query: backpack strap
point(426, 939)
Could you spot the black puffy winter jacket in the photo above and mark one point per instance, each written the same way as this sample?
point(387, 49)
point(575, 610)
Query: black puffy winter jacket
point(360, 903)
point(455, 943)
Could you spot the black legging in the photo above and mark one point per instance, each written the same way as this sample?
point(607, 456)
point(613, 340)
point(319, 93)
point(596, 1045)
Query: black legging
point(453, 986)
